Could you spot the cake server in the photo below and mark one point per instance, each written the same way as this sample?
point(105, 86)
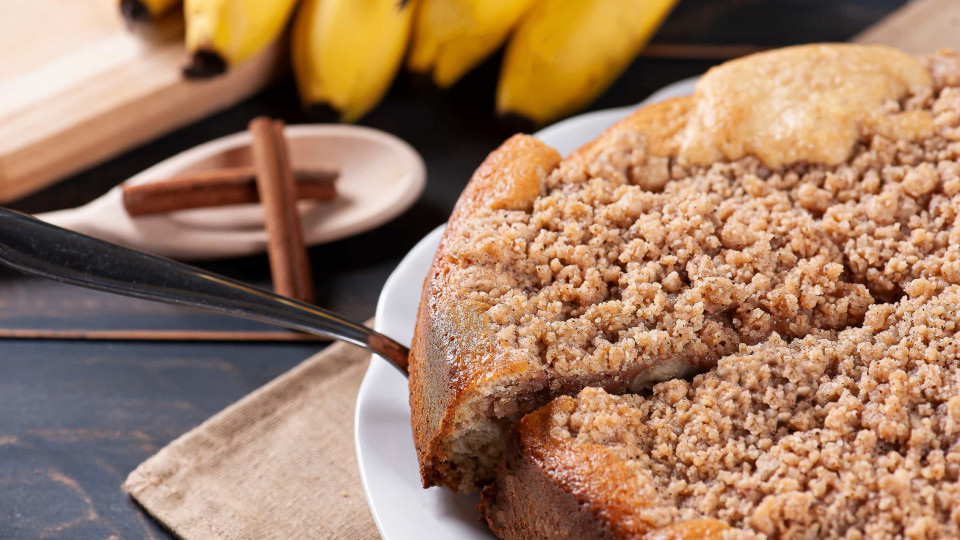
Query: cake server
point(35, 247)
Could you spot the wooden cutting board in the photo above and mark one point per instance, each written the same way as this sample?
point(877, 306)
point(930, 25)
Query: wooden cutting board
point(921, 26)
point(78, 87)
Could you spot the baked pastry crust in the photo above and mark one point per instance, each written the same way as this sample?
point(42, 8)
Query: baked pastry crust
point(450, 355)
point(550, 488)
point(465, 393)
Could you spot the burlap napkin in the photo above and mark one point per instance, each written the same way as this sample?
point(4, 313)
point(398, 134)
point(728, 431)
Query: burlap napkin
point(279, 463)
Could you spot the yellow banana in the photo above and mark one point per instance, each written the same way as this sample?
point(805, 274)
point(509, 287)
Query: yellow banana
point(136, 11)
point(450, 37)
point(566, 52)
point(221, 33)
point(347, 52)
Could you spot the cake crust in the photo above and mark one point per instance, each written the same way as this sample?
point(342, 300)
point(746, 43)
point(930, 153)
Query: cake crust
point(452, 341)
point(548, 488)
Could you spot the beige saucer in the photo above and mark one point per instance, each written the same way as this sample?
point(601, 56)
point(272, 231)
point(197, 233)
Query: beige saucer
point(380, 177)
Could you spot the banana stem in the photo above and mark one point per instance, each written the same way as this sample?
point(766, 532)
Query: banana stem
point(205, 64)
point(134, 11)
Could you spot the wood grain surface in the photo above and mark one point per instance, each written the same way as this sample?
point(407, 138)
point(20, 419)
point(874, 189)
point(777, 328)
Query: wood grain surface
point(77, 87)
point(77, 416)
point(920, 27)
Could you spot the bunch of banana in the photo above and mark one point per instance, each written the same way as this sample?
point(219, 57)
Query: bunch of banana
point(566, 52)
point(142, 11)
point(347, 52)
point(562, 53)
point(451, 37)
point(221, 33)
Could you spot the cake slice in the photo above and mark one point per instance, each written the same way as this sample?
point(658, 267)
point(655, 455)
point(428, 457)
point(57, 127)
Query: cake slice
point(792, 191)
point(835, 435)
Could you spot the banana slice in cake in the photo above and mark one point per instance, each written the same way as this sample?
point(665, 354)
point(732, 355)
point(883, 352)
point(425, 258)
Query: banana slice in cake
point(794, 190)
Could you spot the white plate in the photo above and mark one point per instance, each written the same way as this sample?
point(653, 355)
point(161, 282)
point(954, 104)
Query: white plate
point(401, 508)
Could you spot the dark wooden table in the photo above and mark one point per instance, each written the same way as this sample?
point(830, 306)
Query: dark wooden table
point(77, 416)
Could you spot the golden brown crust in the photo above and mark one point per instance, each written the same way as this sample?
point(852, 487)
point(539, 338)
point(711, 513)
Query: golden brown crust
point(509, 178)
point(526, 502)
point(549, 488)
point(660, 122)
point(587, 471)
point(452, 339)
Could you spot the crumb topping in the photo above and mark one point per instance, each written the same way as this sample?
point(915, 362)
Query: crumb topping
point(827, 296)
point(851, 435)
point(635, 260)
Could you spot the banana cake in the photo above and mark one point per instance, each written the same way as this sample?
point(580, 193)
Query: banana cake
point(794, 195)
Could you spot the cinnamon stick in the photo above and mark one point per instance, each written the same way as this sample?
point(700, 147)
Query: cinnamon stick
point(303, 275)
point(219, 187)
point(289, 264)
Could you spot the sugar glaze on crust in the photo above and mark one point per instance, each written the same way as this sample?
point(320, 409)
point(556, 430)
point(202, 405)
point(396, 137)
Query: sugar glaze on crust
point(632, 261)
